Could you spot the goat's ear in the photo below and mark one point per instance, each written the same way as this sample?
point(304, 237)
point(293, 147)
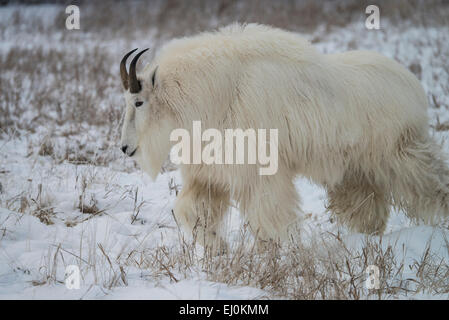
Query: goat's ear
point(153, 77)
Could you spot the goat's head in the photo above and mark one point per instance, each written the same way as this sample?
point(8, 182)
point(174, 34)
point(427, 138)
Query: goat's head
point(146, 123)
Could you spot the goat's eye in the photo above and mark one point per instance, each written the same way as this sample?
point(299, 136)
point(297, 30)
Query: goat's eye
point(138, 104)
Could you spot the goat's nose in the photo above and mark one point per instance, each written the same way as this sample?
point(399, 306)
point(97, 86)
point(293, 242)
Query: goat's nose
point(124, 149)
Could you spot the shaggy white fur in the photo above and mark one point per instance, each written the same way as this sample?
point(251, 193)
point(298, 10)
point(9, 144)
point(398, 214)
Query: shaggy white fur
point(354, 122)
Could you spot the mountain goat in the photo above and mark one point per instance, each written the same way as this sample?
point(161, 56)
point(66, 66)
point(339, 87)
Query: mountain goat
point(354, 122)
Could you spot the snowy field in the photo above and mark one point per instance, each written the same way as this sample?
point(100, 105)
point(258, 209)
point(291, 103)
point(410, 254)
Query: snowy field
point(69, 197)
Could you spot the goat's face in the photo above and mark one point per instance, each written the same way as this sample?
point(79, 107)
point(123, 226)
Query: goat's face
point(136, 97)
point(136, 114)
point(146, 123)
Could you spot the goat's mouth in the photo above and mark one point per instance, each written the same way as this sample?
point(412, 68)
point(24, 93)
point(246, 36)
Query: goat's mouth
point(132, 153)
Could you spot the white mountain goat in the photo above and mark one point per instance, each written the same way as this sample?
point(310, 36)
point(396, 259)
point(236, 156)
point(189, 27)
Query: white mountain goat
point(355, 123)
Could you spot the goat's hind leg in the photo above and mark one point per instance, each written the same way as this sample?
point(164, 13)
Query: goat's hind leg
point(360, 204)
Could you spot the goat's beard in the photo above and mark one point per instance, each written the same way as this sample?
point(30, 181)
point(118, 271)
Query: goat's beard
point(154, 149)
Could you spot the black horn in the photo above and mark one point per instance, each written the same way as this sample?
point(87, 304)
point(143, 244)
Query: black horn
point(123, 72)
point(134, 85)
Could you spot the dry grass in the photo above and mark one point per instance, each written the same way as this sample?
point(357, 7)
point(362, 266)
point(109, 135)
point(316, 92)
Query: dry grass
point(179, 18)
point(441, 126)
point(41, 207)
point(63, 89)
point(325, 268)
point(87, 203)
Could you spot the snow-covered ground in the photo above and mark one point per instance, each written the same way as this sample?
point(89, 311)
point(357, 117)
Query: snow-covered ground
point(109, 219)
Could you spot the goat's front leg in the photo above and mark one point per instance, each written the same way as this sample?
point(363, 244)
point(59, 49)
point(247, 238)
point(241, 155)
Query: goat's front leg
point(200, 209)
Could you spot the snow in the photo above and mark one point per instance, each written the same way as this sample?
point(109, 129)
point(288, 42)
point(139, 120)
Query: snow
point(28, 247)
